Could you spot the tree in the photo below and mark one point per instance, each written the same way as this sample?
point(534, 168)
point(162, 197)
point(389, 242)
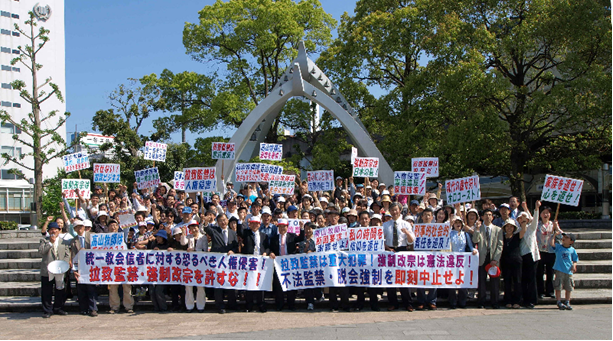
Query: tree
point(46, 143)
point(255, 40)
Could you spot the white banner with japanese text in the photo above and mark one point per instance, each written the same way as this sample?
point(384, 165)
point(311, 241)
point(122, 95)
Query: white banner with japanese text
point(463, 190)
point(562, 190)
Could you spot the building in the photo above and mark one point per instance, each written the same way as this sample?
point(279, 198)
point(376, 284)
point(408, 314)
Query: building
point(16, 193)
point(91, 143)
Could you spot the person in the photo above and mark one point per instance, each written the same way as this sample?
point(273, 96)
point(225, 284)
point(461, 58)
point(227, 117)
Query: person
point(255, 243)
point(427, 217)
point(157, 290)
point(281, 244)
point(510, 264)
point(195, 242)
point(545, 265)
point(398, 236)
point(529, 253)
point(128, 300)
point(308, 246)
point(565, 266)
point(223, 240)
point(514, 207)
point(460, 242)
point(352, 217)
point(364, 221)
point(85, 292)
point(504, 210)
point(51, 249)
point(267, 226)
point(489, 239)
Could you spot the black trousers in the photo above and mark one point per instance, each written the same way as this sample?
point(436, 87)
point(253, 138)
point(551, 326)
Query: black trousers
point(157, 297)
point(528, 279)
point(87, 297)
point(46, 295)
point(280, 294)
point(482, 286)
point(458, 297)
point(219, 298)
point(343, 292)
point(405, 293)
point(258, 296)
point(511, 271)
point(545, 267)
point(309, 295)
point(372, 297)
point(177, 293)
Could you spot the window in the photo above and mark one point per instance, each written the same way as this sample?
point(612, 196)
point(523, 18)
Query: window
point(5, 49)
point(16, 69)
point(5, 14)
point(9, 128)
point(16, 52)
point(6, 68)
point(6, 86)
point(15, 200)
point(8, 176)
point(6, 104)
point(16, 105)
point(10, 150)
point(16, 34)
point(7, 32)
point(3, 197)
point(15, 16)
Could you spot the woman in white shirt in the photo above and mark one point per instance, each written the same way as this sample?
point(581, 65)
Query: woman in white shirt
point(529, 252)
point(196, 242)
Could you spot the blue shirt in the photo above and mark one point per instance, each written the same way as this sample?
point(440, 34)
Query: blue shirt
point(565, 258)
point(270, 230)
point(459, 241)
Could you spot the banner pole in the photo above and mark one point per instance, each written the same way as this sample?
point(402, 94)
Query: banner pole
point(557, 211)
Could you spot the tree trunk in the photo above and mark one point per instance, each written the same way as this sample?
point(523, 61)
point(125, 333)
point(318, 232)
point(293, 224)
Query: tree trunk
point(518, 186)
point(183, 134)
point(36, 138)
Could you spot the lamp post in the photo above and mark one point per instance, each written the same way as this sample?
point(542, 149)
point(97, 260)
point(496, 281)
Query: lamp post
point(605, 201)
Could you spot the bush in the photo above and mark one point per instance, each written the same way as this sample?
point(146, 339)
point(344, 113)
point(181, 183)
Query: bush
point(578, 215)
point(8, 225)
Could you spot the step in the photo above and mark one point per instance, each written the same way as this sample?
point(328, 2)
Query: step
point(18, 254)
point(23, 263)
point(20, 275)
point(592, 280)
point(20, 234)
point(594, 254)
point(590, 234)
point(593, 244)
point(594, 266)
point(20, 288)
point(19, 244)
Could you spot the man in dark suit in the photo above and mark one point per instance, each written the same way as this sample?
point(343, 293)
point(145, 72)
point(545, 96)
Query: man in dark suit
point(283, 244)
point(255, 243)
point(53, 248)
point(85, 292)
point(223, 240)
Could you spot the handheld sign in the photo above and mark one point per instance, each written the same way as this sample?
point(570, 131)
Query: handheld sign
point(179, 183)
point(562, 190)
point(75, 162)
point(354, 153)
point(267, 170)
point(432, 236)
point(108, 241)
point(322, 180)
point(126, 220)
point(147, 178)
point(282, 184)
point(200, 179)
point(107, 172)
point(463, 190)
point(222, 150)
point(428, 165)
point(247, 172)
point(410, 183)
point(271, 151)
point(369, 239)
point(331, 238)
point(293, 225)
point(364, 167)
point(71, 186)
point(155, 151)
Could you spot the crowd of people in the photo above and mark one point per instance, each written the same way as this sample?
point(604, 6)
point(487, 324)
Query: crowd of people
point(524, 247)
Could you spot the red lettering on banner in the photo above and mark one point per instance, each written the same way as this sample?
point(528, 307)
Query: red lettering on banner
point(448, 277)
point(164, 274)
point(188, 275)
point(176, 274)
point(233, 278)
point(119, 273)
point(400, 276)
point(94, 274)
point(106, 274)
point(412, 277)
point(132, 274)
point(152, 274)
point(460, 279)
point(436, 277)
point(221, 277)
point(424, 276)
point(209, 277)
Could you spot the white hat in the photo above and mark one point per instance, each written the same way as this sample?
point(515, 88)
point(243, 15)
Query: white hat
point(254, 219)
point(381, 184)
point(345, 210)
point(77, 222)
point(323, 199)
point(266, 210)
point(87, 223)
point(101, 214)
point(176, 230)
point(409, 217)
point(283, 222)
point(281, 199)
point(376, 216)
point(385, 192)
point(369, 187)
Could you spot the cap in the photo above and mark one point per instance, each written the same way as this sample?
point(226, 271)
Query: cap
point(570, 235)
point(357, 194)
point(339, 178)
point(505, 205)
point(77, 222)
point(359, 185)
point(229, 183)
point(292, 208)
point(386, 198)
point(414, 202)
point(345, 210)
point(150, 222)
point(187, 209)
point(307, 196)
point(87, 223)
point(101, 214)
point(369, 187)
point(53, 225)
point(192, 223)
point(281, 199)
point(331, 204)
point(381, 184)
point(323, 199)
point(524, 214)
point(385, 192)
point(375, 203)
point(493, 271)
point(375, 216)
point(454, 218)
point(255, 219)
point(266, 210)
point(353, 212)
point(432, 196)
point(331, 212)
point(509, 221)
point(282, 222)
point(239, 195)
point(387, 214)
point(176, 231)
point(162, 233)
point(142, 223)
point(409, 217)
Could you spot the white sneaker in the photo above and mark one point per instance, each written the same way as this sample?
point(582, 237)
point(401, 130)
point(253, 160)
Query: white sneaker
point(310, 306)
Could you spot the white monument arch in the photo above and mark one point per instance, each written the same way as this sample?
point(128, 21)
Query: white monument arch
point(302, 79)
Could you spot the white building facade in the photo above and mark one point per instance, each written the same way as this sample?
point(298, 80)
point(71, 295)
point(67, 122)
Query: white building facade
point(16, 193)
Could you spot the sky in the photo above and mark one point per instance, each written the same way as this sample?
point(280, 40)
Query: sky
point(108, 42)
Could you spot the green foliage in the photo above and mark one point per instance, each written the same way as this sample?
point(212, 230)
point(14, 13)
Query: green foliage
point(52, 194)
point(578, 215)
point(8, 225)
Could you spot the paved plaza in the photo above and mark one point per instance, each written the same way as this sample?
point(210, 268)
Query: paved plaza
point(544, 322)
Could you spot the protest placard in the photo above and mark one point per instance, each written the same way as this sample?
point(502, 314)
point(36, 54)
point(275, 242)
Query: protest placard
point(71, 186)
point(155, 151)
point(202, 269)
point(428, 165)
point(271, 151)
point(179, 183)
point(293, 225)
point(107, 172)
point(562, 190)
point(331, 238)
point(432, 236)
point(75, 162)
point(354, 153)
point(322, 180)
point(378, 270)
point(247, 172)
point(366, 239)
point(221, 150)
point(207, 195)
point(410, 183)
point(108, 241)
point(200, 179)
point(126, 219)
point(364, 167)
point(267, 170)
point(281, 184)
point(147, 178)
point(463, 190)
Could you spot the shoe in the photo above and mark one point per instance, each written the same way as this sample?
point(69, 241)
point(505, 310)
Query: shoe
point(310, 306)
point(391, 308)
point(93, 313)
point(530, 306)
point(347, 310)
point(541, 296)
point(130, 311)
point(480, 306)
point(561, 306)
point(46, 315)
point(246, 310)
point(516, 306)
point(221, 311)
point(509, 306)
point(358, 309)
point(453, 307)
point(83, 313)
point(334, 310)
point(552, 295)
point(495, 306)
point(375, 308)
point(263, 309)
point(432, 306)
point(568, 307)
point(410, 309)
point(187, 311)
point(462, 306)
point(60, 312)
point(112, 311)
point(201, 311)
point(420, 307)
